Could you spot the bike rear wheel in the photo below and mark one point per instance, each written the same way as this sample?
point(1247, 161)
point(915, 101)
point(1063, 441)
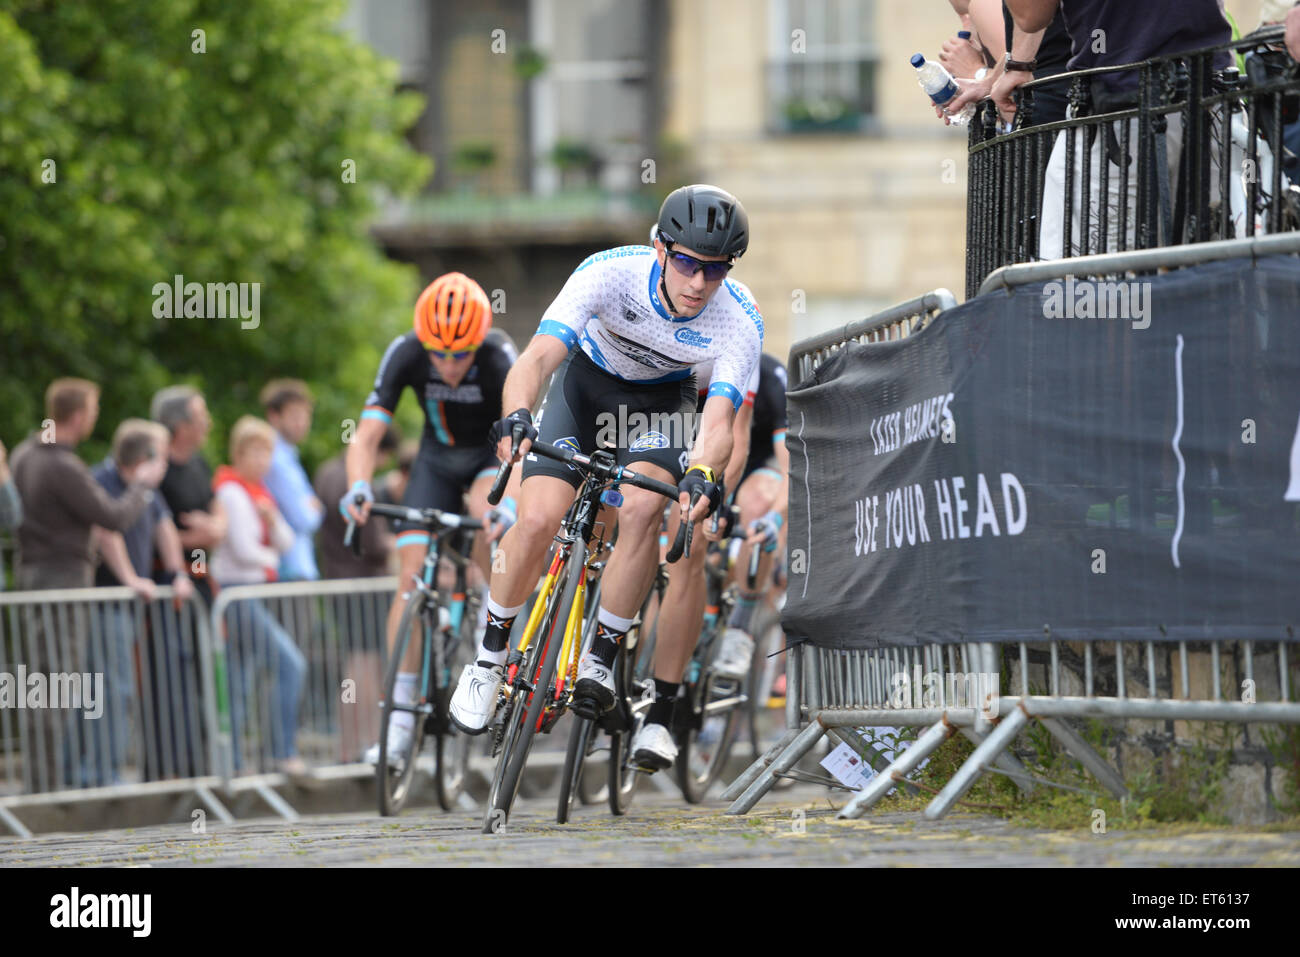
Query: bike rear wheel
point(520, 734)
point(395, 778)
point(581, 739)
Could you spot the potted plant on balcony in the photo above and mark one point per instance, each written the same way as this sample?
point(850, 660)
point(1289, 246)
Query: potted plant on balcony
point(471, 159)
point(577, 163)
point(818, 114)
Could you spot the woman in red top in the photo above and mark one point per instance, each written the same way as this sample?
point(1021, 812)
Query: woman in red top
point(256, 536)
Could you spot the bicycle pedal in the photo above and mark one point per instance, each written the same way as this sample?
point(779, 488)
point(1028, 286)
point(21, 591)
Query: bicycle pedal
point(588, 709)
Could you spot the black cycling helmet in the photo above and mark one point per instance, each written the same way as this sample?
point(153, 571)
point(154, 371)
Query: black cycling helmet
point(706, 219)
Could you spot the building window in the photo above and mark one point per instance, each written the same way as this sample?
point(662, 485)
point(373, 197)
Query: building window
point(591, 122)
point(822, 66)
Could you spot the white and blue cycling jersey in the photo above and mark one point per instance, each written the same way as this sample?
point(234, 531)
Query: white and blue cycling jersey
point(610, 308)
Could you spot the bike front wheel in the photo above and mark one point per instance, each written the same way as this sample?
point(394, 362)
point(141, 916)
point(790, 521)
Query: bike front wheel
point(523, 726)
point(395, 773)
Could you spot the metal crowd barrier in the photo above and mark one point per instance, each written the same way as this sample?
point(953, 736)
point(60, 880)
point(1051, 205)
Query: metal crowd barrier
point(131, 681)
point(168, 698)
point(300, 670)
point(807, 668)
point(832, 692)
point(1163, 156)
point(894, 323)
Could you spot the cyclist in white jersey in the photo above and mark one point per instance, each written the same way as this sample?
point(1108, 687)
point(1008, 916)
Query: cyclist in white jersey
point(628, 326)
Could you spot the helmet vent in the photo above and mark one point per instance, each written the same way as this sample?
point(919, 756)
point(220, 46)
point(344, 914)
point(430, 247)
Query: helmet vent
point(713, 219)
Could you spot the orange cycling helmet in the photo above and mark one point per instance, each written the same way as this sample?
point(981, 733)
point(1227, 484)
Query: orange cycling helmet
point(452, 314)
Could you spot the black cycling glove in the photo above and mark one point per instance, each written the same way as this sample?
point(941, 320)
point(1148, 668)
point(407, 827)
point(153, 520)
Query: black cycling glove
point(701, 477)
point(503, 428)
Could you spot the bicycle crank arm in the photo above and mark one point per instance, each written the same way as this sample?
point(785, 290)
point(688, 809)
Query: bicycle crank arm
point(725, 704)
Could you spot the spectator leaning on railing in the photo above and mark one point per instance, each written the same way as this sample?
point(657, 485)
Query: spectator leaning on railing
point(1110, 33)
point(996, 30)
point(187, 486)
point(61, 502)
point(256, 537)
point(127, 561)
point(11, 506)
point(1291, 19)
point(288, 405)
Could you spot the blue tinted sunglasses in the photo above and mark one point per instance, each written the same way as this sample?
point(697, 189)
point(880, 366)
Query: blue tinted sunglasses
point(689, 266)
point(444, 354)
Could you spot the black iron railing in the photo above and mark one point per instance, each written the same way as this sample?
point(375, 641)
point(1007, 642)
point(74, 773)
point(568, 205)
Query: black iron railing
point(1149, 155)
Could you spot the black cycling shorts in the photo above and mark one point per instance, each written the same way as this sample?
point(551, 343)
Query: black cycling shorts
point(587, 408)
point(442, 474)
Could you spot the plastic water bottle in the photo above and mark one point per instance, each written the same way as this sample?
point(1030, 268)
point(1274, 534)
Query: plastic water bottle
point(940, 87)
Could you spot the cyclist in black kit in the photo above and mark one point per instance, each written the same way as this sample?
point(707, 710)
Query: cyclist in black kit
point(456, 371)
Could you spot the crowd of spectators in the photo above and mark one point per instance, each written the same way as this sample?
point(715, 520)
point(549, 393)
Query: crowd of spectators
point(155, 513)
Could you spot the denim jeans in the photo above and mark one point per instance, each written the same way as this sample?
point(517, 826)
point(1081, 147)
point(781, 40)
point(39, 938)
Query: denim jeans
point(259, 645)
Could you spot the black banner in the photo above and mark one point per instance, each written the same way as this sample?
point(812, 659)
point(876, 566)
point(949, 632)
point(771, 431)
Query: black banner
point(1079, 459)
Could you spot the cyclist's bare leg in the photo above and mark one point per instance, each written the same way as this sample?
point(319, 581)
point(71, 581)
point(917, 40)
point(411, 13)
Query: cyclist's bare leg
point(521, 553)
point(682, 614)
point(634, 563)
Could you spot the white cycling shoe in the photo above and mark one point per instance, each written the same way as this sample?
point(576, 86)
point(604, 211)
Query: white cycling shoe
point(653, 748)
point(593, 692)
point(399, 741)
point(734, 654)
point(475, 700)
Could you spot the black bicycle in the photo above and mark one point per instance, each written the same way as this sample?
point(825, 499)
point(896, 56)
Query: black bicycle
point(440, 620)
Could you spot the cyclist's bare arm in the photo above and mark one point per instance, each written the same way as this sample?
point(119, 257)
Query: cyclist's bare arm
point(739, 444)
point(362, 452)
point(736, 462)
point(714, 444)
point(524, 383)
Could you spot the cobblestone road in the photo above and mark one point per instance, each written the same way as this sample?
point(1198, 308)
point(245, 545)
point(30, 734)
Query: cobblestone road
point(659, 831)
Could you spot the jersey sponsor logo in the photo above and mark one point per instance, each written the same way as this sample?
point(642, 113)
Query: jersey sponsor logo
point(441, 392)
point(618, 252)
point(569, 442)
point(747, 304)
point(633, 311)
point(690, 337)
point(641, 353)
point(650, 440)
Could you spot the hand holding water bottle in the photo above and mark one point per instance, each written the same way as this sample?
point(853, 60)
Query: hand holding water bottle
point(943, 90)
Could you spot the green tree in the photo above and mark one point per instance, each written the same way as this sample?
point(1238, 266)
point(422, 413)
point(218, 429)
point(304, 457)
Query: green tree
point(244, 143)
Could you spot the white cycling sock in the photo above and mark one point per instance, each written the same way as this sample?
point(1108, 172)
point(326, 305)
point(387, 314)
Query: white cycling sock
point(403, 693)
